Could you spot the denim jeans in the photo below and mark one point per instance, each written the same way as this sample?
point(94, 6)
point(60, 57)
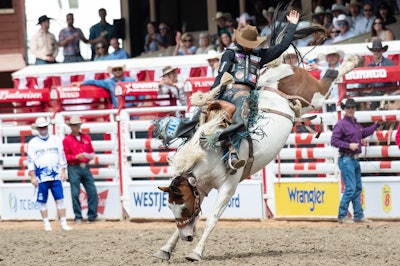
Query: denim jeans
point(76, 176)
point(351, 175)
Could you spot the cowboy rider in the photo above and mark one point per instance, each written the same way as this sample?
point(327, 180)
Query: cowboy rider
point(244, 62)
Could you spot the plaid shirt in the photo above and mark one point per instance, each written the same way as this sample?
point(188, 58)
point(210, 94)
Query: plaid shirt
point(72, 47)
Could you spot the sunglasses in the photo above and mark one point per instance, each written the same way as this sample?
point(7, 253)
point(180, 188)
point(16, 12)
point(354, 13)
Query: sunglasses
point(367, 10)
point(163, 28)
point(342, 24)
point(376, 50)
point(375, 23)
point(336, 32)
point(188, 40)
point(100, 47)
point(117, 69)
point(350, 107)
point(42, 128)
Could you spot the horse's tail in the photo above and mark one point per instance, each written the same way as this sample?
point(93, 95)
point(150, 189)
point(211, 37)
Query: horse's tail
point(279, 25)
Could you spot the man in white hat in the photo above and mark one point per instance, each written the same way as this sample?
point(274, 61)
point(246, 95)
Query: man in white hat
point(171, 84)
point(79, 152)
point(117, 72)
point(343, 23)
point(243, 63)
point(355, 14)
point(213, 58)
point(47, 169)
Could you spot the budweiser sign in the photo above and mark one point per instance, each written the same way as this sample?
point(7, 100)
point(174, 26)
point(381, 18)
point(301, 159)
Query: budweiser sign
point(16, 95)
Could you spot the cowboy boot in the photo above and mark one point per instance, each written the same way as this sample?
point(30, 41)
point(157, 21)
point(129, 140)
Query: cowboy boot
point(233, 159)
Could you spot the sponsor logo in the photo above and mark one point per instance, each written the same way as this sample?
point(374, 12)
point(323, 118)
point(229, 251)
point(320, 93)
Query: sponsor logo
point(102, 198)
point(156, 199)
point(312, 197)
point(21, 204)
point(140, 86)
point(13, 202)
point(7, 95)
point(366, 74)
point(204, 83)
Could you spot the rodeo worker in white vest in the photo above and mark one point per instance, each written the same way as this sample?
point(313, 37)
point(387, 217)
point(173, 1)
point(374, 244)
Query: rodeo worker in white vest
point(244, 62)
point(47, 169)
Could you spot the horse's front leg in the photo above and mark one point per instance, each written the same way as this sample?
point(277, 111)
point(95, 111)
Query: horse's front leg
point(164, 253)
point(224, 195)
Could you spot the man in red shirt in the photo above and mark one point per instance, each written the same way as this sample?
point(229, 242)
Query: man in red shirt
point(78, 152)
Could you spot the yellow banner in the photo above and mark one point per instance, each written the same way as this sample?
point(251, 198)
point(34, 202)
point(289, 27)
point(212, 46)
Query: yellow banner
point(311, 199)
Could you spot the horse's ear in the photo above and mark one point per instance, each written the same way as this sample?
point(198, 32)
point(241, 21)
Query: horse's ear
point(165, 189)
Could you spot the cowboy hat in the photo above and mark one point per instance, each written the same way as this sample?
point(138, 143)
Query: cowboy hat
point(248, 37)
point(212, 54)
point(43, 19)
point(74, 120)
point(349, 103)
point(342, 17)
point(377, 44)
point(168, 69)
point(339, 7)
point(40, 122)
point(319, 10)
point(334, 50)
point(115, 65)
point(219, 15)
point(354, 3)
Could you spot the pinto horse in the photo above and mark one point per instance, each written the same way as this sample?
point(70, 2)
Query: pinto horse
point(194, 178)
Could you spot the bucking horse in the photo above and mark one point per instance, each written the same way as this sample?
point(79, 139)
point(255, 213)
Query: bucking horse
point(281, 89)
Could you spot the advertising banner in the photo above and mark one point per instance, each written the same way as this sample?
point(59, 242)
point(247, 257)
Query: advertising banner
point(147, 201)
point(307, 199)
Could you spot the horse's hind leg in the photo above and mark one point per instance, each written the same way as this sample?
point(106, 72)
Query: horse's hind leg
point(164, 253)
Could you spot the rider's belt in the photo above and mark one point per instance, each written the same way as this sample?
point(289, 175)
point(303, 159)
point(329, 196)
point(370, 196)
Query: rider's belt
point(241, 86)
point(355, 156)
point(81, 165)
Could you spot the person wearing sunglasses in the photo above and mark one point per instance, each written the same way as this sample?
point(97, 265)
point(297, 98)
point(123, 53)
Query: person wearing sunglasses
point(347, 136)
point(184, 44)
point(101, 51)
point(366, 22)
point(343, 23)
point(379, 31)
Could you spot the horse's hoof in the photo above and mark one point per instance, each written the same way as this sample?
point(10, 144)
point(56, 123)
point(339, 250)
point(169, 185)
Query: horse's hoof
point(193, 257)
point(161, 254)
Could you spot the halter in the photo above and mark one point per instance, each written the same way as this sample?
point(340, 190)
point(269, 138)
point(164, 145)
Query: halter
point(182, 222)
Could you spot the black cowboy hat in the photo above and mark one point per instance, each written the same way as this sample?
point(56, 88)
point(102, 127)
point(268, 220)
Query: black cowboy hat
point(377, 44)
point(43, 19)
point(349, 103)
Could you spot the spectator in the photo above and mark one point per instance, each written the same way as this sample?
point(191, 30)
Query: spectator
point(244, 20)
point(332, 34)
point(153, 40)
point(213, 58)
point(355, 14)
point(43, 43)
point(69, 38)
point(343, 23)
point(101, 32)
point(290, 57)
point(259, 18)
point(117, 72)
point(318, 38)
point(347, 135)
point(205, 44)
point(333, 57)
point(231, 25)
point(184, 44)
point(338, 9)
point(386, 14)
point(168, 37)
point(118, 53)
point(313, 62)
point(221, 22)
point(319, 15)
point(171, 85)
point(267, 30)
point(46, 166)
point(328, 19)
point(79, 152)
point(380, 32)
point(367, 21)
point(101, 51)
point(225, 42)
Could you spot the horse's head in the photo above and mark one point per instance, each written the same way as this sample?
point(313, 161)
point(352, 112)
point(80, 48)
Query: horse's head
point(184, 201)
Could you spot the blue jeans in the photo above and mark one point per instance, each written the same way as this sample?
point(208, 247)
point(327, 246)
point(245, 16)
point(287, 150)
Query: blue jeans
point(351, 175)
point(76, 176)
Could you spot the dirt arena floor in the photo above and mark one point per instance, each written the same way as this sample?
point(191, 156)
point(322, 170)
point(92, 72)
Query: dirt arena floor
point(266, 242)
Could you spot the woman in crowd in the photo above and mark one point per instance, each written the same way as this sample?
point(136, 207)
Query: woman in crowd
point(184, 44)
point(101, 52)
point(153, 40)
point(205, 44)
point(225, 41)
point(379, 31)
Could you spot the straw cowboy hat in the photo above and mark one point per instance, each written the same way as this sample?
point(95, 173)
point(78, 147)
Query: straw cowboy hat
point(74, 120)
point(115, 65)
point(248, 37)
point(354, 3)
point(168, 69)
point(42, 19)
point(319, 10)
point(342, 17)
point(40, 122)
point(334, 50)
point(377, 44)
point(219, 15)
point(349, 103)
point(339, 7)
